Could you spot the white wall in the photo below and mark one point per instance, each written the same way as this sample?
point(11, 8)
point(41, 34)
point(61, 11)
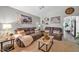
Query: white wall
point(58, 11)
point(9, 15)
point(77, 26)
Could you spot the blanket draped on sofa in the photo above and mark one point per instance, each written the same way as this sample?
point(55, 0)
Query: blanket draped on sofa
point(25, 41)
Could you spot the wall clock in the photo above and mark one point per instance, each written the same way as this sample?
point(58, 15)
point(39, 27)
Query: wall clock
point(69, 10)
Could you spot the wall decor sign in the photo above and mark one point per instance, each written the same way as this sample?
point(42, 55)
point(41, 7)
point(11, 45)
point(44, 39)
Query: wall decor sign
point(55, 19)
point(69, 10)
point(26, 19)
point(45, 21)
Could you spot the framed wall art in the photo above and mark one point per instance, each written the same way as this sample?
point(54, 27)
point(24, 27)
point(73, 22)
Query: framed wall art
point(55, 19)
point(26, 19)
point(45, 21)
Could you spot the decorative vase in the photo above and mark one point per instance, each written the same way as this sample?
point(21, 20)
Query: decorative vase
point(46, 36)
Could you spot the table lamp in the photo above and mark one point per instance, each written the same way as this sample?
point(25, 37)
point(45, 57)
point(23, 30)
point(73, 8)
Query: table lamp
point(7, 27)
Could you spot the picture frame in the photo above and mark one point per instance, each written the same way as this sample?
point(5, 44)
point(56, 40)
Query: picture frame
point(45, 21)
point(26, 19)
point(55, 19)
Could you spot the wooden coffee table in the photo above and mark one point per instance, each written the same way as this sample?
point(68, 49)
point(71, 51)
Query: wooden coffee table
point(45, 45)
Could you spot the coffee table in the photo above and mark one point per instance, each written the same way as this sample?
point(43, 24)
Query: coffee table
point(45, 45)
point(4, 41)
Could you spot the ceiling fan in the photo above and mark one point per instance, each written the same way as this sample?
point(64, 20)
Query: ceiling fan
point(41, 7)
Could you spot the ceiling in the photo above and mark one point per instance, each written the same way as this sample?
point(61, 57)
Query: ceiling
point(41, 10)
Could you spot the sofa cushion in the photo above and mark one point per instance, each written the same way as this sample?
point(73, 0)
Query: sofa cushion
point(56, 31)
point(36, 36)
point(26, 30)
point(19, 43)
point(24, 41)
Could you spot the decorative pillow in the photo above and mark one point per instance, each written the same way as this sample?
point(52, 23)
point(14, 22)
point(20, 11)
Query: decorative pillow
point(20, 31)
point(56, 31)
point(28, 32)
point(17, 35)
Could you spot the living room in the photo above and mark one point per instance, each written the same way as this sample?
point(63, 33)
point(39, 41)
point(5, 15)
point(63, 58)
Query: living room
point(24, 26)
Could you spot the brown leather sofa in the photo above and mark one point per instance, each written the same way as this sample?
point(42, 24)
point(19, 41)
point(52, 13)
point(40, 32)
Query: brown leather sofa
point(35, 37)
point(56, 32)
point(26, 30)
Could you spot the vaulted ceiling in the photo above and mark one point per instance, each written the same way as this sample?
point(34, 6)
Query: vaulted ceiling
point(42, 10)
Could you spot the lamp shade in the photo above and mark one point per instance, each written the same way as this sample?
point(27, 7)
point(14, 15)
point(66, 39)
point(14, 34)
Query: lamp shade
point(7, 26)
